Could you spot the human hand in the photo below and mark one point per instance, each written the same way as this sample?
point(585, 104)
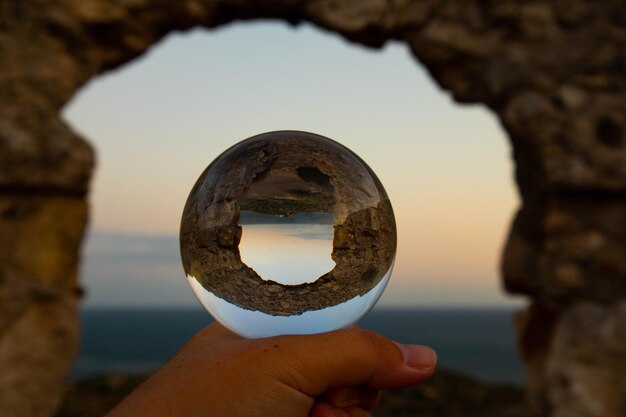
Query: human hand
point(336, 374)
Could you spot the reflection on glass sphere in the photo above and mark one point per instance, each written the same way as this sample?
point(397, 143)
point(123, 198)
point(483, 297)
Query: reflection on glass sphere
point(288, 233)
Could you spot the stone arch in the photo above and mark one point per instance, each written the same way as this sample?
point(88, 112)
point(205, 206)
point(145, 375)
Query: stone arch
point(553, 72)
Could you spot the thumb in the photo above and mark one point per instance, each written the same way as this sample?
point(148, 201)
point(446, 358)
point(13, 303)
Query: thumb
point(315, 363)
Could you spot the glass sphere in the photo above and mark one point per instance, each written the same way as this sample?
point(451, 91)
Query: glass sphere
point(288, 233)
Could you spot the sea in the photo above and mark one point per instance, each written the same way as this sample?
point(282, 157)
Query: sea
point(476, 341)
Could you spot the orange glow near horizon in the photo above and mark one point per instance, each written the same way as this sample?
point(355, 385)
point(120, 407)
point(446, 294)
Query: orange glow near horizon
point(160, 121)
point(280, 253)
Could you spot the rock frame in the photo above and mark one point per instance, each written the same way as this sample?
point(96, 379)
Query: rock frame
point(553, 73)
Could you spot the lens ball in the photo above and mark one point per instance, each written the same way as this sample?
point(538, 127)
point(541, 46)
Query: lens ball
point(287, 233)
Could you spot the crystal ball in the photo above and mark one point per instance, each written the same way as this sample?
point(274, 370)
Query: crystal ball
point(287, 233)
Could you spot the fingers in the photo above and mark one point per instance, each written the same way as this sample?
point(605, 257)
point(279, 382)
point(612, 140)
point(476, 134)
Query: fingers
point(212, 338)
point(327, 410)
point(314, 364)
point(359, 396)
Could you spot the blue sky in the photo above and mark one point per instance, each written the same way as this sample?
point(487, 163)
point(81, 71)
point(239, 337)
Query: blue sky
point(158, 122)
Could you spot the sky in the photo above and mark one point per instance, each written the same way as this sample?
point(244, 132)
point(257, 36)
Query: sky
point(158, 121)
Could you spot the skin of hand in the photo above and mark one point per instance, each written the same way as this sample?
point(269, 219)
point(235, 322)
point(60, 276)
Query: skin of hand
point(336, 374)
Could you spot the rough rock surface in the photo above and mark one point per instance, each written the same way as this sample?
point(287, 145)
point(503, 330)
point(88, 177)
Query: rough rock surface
point(553, 72)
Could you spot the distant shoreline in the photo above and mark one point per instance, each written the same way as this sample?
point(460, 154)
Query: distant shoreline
point(478, 341)
point(447, 394)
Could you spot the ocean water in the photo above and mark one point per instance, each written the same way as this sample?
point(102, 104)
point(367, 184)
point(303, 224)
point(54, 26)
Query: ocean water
point(477, 341)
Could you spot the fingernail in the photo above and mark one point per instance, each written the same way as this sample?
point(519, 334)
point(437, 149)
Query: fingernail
point(421, 358)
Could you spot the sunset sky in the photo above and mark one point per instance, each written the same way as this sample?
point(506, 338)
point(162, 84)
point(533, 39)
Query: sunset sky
point(159, 121)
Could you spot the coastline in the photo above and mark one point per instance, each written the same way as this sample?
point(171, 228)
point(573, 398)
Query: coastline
point(447, 394)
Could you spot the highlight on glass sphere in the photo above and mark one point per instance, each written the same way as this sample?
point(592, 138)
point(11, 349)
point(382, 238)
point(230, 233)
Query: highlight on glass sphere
point(288, 232)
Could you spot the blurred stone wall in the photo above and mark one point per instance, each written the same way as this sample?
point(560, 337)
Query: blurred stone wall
point(553, 71)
